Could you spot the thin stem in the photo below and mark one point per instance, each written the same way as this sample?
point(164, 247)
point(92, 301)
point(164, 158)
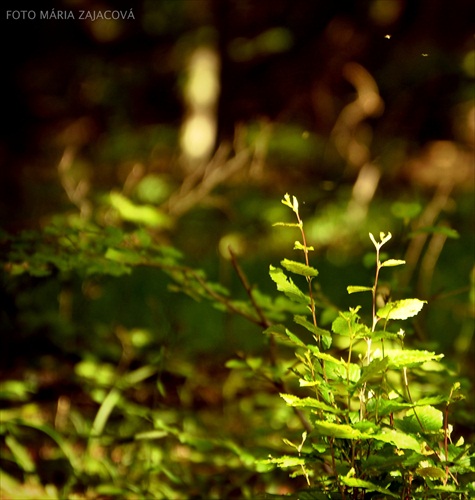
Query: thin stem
point(248, 288)
point(309, 279)
point(263, 320)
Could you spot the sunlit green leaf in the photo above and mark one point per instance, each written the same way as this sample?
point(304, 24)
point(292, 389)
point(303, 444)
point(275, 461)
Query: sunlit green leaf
point(299, 246)
point(341, 431)
point(401, 309)
point(295, 401)
point(287, 286)
point(285, 461)
point(140, 214)
point(410, 358)
point(286, 224)
point(299, 268)
point(398, 439)
point(328, 357)
point(392, 263)
point(347, 324)
point(430, 418)
point(356, 289)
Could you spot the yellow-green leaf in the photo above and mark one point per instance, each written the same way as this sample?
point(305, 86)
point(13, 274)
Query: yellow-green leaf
point(392, 263)
point(299, 268)
point(401, 309)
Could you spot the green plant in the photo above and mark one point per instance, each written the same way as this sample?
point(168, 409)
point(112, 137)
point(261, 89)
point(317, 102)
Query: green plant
point(354, 419)
point(372, 430)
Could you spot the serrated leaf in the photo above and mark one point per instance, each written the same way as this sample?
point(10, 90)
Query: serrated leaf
point(429, 417)
point(299, 246)
point(398, 439)
point(382, 335)
point(341, 431)
point(401, 309)
point(327, 357)
point(297, 402)
point(431, 400)
point(410, 358)
point(299, 268)
point(287, 286)
point(392, 263)
point(284, 461)
point(357, 289)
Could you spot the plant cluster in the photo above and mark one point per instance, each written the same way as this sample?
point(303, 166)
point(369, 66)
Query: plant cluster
point(367, 435)
point(354, 419)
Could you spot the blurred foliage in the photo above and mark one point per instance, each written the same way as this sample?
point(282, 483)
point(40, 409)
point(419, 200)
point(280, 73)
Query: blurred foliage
point(364, 109)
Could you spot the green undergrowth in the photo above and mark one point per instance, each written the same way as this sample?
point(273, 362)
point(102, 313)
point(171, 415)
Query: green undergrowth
point(340, 405)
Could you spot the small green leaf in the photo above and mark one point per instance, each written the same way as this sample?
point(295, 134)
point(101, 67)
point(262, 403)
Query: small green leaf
point(299, 268)
point(392, 263)
point(341, 431)
point(398, 439)
point(346, 324)
point(328, 357)
point(297, 402)
point(410, 358)
point(401, 309)
point(285, 461)
point(294, 205)
point(140, 214)
point(299, 246)
point(431, 400)
point(286, 224)
point(287, 286)
point(429, 417)
point(382, 236)
point(357, 289)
